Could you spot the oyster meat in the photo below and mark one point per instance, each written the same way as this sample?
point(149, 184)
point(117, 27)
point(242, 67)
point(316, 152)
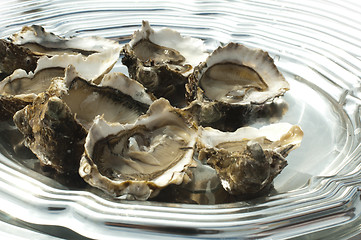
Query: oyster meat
point(162, 61)
point(135, 161)
point(231, 81)
point(248, 159)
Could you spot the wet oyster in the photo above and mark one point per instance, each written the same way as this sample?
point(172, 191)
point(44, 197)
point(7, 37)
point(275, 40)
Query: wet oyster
point(248, 159)
point(56, 123)
point(162, 60)
point(135, 161)
point(232, 79)
point(92, 56)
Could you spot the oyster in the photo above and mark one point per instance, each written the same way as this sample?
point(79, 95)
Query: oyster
point(21, 88)
point(248, 159)
point(135, 161)
point(231, 80)
point(117, 97)
point(56, 123)
point(34, 57)
point(52, 133)
point(92, 56)
point(162, 60)
point(231, 118)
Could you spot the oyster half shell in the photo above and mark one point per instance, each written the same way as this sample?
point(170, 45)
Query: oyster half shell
point(135, 161)
point(237, 75)
point(47, 58)
point(248, 159)
point(231, 81)
point(93, 56)
point(21, 87)
point(162, 60)
point(56, 123)
point(117, 97)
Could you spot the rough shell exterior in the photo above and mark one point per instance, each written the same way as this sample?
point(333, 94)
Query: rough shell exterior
point(14, 57)
point(52, 133)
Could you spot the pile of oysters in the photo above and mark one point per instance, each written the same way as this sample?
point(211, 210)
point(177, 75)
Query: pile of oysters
point(181, 108)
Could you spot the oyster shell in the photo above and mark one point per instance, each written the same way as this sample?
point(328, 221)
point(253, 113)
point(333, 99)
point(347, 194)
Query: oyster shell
point(248, 159)
point(162, 60)
point(135, 161)
point(93, 56)
point(52, 133)
point(117, 97)
point(231, 80)
point(56, 123)
point(21, 88)
point(13, 57)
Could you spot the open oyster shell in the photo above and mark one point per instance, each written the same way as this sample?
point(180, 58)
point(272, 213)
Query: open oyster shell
point(162, 60)
point(117, 97)
point(21, 87)
point(231, 80)
point(135, 161)
point(92, 56)
point(56, 123)
point(248, 159)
